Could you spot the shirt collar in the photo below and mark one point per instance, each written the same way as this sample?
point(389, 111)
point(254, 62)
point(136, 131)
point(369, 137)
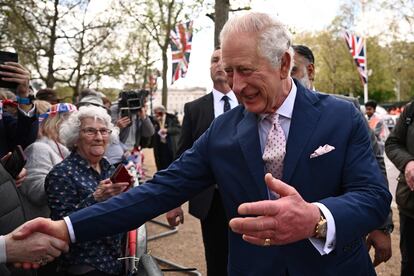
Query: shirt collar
point(286, 109)
point(217, 95)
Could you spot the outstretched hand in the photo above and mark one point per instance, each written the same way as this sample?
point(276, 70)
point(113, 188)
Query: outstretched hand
point(43, 238)
point(58, 229)
point(36, 250)
point(285, 220)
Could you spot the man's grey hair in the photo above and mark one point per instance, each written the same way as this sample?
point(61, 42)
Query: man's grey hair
point(70, 129)
point(274, 38)
point(160, 108)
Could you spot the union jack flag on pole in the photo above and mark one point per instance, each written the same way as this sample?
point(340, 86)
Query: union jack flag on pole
point(181, 37)
point(356, 45)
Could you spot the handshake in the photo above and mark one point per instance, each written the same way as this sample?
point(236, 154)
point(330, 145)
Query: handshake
point(36, 243)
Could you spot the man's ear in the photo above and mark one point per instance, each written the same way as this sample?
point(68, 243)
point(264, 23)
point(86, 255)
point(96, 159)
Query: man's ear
point(285, 65)
point(311, 71)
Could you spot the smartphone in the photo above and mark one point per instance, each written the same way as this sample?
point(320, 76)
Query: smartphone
point(15, 162)
point(5, 57)
point(121, 174)
point(125, 112)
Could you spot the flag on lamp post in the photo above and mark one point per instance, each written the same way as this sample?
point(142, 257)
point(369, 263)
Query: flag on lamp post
point(356, 45)
point(181, 37)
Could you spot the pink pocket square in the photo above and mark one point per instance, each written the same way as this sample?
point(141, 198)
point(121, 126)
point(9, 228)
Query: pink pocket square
point(322, 150)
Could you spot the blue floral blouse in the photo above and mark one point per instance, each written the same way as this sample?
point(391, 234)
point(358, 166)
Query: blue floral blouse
point(69, 187)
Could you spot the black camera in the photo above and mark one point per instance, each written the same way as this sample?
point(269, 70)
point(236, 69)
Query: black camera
point(132, 99)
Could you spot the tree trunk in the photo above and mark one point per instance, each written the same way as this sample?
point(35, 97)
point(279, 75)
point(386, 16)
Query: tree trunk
point(50, 78)
point(221, 10)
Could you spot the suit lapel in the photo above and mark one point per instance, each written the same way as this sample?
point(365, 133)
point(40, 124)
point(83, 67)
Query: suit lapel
point(248, 137)
point(209, 108)
point(305, 117)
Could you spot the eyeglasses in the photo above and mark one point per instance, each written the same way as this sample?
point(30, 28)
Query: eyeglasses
point(90, 131)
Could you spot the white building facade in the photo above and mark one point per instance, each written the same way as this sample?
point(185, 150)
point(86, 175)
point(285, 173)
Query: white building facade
point(177, 98)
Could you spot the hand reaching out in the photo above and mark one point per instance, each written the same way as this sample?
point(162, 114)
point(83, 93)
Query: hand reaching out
point(38, 248)
point(18, 74)
point(37, 242)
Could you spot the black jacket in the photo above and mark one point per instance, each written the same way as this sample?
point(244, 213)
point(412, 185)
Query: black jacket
point(198, 116)
point(400, 150)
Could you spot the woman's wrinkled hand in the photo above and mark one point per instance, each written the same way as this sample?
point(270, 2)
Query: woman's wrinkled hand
point(107, 189)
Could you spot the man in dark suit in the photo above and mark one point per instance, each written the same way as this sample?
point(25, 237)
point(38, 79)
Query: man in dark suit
point(330, 193)
point(207, 206)
point(167, 130)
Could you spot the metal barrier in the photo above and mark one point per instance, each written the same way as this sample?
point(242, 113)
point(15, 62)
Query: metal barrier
point(140, 263)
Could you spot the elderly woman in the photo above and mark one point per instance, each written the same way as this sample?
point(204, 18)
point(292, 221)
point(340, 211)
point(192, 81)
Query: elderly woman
point(42, 155)
point(81, 180)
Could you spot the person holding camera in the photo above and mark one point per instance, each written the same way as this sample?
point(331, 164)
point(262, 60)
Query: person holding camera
point(132, 119)
point(23, 129)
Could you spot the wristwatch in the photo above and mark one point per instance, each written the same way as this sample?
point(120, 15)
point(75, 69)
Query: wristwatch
point(321, 228)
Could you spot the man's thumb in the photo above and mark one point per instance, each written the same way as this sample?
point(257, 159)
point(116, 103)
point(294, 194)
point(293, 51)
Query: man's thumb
point(278, 186)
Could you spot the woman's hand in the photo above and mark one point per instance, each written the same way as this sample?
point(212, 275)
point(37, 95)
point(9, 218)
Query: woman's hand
point(107, 189)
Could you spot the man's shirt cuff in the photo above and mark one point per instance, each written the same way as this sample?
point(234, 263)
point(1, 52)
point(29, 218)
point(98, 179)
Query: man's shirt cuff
point(3, 257)
point(70, 229)
point(325, 246)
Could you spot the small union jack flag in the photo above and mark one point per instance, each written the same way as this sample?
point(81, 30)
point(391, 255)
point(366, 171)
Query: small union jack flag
point(181, 37)
point(357, 49)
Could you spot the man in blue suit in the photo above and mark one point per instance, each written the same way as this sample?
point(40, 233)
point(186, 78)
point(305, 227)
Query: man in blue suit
point(331, 193)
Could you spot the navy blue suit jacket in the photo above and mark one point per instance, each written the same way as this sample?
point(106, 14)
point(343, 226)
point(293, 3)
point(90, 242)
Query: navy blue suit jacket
point(347, 181)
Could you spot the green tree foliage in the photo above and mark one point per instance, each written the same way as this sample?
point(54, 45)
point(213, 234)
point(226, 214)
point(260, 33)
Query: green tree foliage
point(56, 39)
point(390, 60)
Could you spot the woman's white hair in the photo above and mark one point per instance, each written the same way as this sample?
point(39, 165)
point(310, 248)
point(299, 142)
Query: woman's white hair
point(70, 129)
point(274, 38)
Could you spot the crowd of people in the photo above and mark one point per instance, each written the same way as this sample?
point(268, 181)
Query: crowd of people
point(285, 179)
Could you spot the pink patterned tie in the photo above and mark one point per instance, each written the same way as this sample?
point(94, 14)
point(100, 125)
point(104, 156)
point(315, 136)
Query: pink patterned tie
point(275, 149)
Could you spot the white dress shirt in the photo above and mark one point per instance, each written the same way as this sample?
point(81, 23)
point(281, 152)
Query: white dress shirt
point(285, 116)
point(219, 103)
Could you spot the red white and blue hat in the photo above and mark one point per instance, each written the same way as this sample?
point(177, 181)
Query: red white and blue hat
point(57, 108)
